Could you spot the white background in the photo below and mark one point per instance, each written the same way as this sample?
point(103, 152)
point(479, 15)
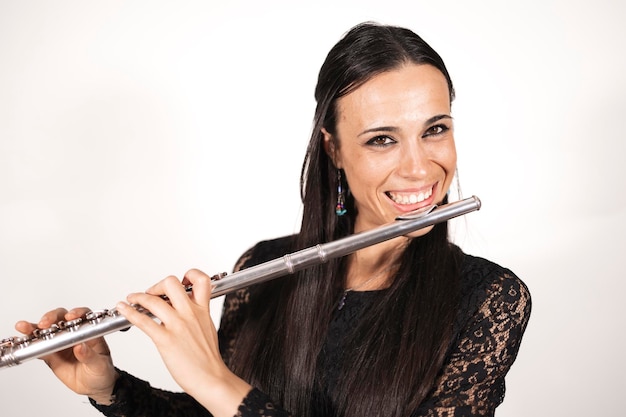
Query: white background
point(139, 139)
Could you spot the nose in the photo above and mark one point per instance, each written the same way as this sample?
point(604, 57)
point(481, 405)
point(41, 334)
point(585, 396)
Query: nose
point(413, 160)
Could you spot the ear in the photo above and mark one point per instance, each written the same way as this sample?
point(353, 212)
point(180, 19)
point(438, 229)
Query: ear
point(331, 148)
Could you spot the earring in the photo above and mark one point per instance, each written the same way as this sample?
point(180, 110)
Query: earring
point(340, 209)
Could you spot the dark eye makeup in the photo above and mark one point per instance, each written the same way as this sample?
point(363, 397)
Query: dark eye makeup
point(380, 140)
point(437, 129)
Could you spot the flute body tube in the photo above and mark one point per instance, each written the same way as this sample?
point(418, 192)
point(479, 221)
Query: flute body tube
point(16, 350)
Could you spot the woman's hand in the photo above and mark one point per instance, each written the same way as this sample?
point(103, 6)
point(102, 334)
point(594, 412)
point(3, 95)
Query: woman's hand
point(187, 340)
point(87, 368)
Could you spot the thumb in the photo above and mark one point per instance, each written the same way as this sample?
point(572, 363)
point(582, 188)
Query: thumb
point(90, 357)
point(83, 353)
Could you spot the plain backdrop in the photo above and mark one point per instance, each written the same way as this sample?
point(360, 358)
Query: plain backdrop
point(139, 139)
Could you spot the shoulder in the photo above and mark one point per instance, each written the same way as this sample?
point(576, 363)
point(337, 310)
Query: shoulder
point(235, 303)
point(240, 304)
point(494, 289)
point(480, 274)
point(265, 250)
point(493, 315)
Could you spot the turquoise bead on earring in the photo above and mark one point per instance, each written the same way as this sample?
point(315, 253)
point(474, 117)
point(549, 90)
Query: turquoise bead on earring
point(340, 208)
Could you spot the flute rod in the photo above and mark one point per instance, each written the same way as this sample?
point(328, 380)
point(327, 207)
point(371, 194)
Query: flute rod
point(321, 253)
point(16, 350)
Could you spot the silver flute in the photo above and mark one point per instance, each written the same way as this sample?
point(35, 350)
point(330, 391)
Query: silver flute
point(41, 342)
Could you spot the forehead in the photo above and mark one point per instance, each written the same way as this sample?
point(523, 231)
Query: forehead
point(411, 91)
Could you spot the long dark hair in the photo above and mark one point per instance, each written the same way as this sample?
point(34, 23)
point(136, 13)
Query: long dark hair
point(400, 345)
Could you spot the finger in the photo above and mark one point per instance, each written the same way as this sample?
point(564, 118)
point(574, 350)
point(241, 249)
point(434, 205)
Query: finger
point(141, 320)
point(83, 353)
point(202, 286)
point(51, 317)
point(25, 327)
point(174, 290)
point(77, 312)
point(90, 352)
point(160, 287)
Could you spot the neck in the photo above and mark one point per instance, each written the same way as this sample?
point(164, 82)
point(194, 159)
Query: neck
point(372, 268)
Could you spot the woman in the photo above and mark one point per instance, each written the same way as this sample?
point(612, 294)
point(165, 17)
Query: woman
point(412, 326)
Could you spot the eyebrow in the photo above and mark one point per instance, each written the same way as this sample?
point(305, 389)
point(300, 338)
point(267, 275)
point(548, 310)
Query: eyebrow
point(395, 129)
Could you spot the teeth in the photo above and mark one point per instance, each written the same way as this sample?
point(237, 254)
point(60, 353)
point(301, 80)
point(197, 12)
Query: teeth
point(410, 198)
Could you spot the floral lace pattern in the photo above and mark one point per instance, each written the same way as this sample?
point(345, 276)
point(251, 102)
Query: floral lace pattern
point(495, 308)
point(472, 381)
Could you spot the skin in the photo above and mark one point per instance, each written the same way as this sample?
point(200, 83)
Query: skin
point(394, 135)
point(86, 368)
point(195, 364)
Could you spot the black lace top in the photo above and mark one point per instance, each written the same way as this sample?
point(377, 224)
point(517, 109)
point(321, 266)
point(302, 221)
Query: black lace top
point(495, 307)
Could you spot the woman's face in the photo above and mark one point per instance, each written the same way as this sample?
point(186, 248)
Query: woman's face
point(394, 141)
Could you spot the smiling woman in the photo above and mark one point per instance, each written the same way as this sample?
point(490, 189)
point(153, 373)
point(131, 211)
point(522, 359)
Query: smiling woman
point(411, 326)
point(394, 142)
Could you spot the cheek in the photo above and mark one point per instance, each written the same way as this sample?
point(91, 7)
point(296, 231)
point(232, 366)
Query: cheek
point(452, 160)
point(448, 162)
point(446, 157)
point(363, 179)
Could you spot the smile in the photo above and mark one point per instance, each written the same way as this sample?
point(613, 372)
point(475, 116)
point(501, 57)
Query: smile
point(410, 198)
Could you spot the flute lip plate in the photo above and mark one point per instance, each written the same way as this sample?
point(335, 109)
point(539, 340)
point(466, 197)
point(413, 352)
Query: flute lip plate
point(417, 213)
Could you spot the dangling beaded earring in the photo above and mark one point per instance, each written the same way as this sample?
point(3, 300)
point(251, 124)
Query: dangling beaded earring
point(340, 209)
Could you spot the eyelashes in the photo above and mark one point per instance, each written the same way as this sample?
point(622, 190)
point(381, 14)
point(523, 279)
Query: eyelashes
point(381, 141)
point(436, 130)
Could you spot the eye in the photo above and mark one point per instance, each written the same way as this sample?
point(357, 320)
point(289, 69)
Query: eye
point(436, 130)
point(381, 141)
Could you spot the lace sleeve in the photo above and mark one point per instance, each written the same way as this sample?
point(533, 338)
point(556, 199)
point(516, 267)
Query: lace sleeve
point(472, 381)
point(133, 397)
point(234, 311)
point(258, 404)
point(237, 303)
point(136, 398)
